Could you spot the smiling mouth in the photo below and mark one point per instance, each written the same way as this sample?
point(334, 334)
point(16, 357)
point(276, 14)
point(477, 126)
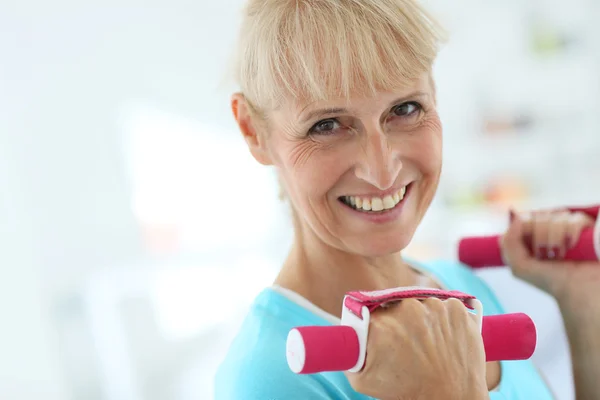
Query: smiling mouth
point(375, 204)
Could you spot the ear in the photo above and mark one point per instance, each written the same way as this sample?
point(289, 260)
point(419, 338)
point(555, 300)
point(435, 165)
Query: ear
point(247, 122)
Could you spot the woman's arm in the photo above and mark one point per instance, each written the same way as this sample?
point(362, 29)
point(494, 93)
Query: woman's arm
point(582, 323)
point(574, 285)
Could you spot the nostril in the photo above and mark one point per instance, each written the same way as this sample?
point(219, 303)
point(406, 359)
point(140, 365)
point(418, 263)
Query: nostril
point(382, 176)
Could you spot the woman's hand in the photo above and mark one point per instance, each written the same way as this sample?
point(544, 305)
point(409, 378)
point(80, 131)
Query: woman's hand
point(575, 285)
point(429, 349)
point(551, 234)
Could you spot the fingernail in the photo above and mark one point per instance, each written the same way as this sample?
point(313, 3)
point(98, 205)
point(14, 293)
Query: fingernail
point(568, 241)
point(542, 252)
point(555, 252)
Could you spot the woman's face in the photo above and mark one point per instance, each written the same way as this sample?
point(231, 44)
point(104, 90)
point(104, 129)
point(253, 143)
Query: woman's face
point(360, 174)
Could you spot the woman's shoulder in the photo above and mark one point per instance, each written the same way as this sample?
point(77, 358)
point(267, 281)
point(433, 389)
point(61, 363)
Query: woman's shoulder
point(255, 366)
point(456, 276)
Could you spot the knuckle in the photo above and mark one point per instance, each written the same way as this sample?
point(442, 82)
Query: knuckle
point(412, 306)
point(434, 304)
point(581, 219)
point(455, 306)
point(545, 214)
point(541, 220)
point(560, 215)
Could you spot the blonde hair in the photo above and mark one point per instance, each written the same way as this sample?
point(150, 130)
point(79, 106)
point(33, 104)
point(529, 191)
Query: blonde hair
point(317, 49)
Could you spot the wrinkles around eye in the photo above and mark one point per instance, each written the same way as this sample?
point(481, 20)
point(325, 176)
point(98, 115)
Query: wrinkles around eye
point(303, 151)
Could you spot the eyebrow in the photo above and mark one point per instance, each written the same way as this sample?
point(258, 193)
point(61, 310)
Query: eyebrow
point(315, 114)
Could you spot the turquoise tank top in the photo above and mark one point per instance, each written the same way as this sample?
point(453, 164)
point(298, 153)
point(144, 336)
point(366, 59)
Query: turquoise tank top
point(255, 367)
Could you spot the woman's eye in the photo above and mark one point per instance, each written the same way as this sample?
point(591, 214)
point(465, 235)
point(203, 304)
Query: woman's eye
point(324, 127)
point(406, 109)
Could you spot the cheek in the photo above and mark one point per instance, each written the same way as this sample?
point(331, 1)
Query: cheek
point(303, 165)
point(299, 155)
point(428, 148)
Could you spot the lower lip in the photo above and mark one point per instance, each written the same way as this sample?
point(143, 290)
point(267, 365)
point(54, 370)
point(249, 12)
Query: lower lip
point(381, 217)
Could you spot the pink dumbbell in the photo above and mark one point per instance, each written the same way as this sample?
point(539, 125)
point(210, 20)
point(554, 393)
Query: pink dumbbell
point(484, 251)
point(313, 349)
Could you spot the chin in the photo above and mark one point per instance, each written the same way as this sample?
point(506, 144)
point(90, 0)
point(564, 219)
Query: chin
point(383, 246)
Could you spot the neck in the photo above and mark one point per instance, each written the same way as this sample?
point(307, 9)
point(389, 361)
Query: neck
point(323, 274)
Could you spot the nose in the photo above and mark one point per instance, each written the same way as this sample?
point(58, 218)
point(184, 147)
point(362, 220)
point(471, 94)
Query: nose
point(379, 163)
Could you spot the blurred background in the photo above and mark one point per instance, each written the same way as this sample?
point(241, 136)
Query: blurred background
point(131, 211)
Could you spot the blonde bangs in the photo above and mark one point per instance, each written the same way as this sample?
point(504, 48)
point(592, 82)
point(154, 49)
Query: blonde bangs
point(320, 49)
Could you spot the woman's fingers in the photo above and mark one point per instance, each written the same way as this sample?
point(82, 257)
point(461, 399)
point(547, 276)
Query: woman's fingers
point(535, 243)
point(513, 246)
point(554, 233)
point(540, 234)
point(557, 233)
point(576, 223)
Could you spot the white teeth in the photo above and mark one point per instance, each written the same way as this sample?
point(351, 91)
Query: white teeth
point(366, 205)
point(388, 202)
point(376, 203)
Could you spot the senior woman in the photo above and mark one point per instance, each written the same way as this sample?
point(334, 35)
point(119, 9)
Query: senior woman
point(338, 96)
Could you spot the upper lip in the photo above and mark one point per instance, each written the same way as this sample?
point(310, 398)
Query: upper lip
point(381, 194)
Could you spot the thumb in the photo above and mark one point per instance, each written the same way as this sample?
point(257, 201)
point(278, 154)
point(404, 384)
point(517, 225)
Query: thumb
point(514, 249)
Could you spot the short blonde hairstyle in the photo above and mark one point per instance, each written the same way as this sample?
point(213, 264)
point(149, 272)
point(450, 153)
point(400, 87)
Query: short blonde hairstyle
point(318, 49)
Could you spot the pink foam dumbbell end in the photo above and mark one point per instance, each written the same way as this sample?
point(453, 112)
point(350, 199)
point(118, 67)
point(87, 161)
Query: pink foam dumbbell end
point(312, 349)
point(508, 337)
